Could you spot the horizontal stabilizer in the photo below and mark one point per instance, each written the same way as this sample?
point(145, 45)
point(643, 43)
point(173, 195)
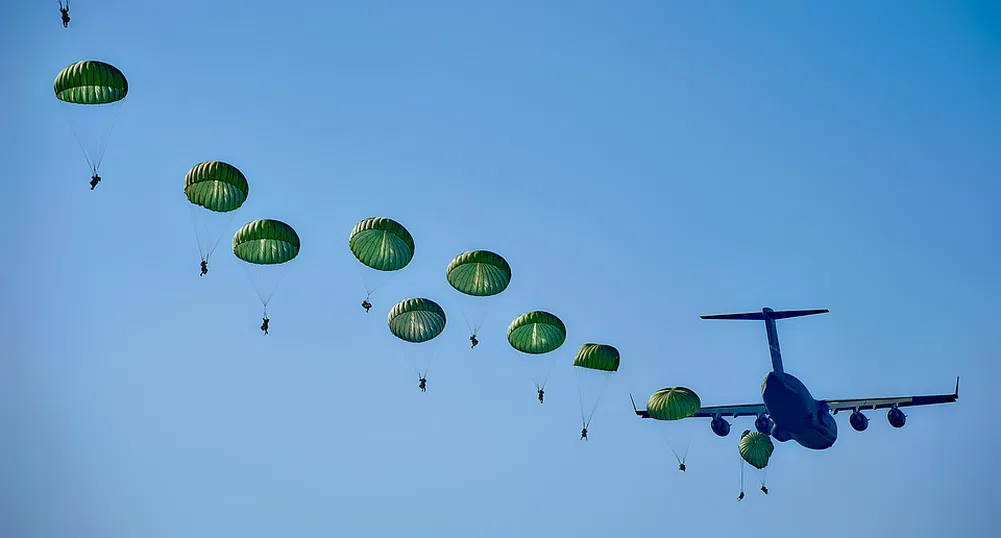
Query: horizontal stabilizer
point(768, 313)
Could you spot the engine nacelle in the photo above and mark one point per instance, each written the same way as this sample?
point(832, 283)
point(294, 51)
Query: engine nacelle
point(858, 421)
point(896, 417)
point(720, 427)
point(763, 424)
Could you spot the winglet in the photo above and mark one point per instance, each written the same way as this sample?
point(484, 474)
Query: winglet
point(641, 414)
point(956, 394)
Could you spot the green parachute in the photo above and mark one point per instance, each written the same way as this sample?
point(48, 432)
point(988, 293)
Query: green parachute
point(416, 321)
point(94, 91)
point(756, 448)
point(383, 245)
point(674, 403)
point(594, 366)
point(478, 274)
point(215, 191)
point(264, 244)
point(537, 333)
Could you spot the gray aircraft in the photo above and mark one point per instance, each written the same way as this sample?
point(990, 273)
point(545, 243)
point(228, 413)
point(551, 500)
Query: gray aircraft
point(789, 410)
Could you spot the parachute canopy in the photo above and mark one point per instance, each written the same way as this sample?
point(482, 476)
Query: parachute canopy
point(597, 357)
point(416, 320)
point(536, 332)
point(216, 186)
point(382, 244)
point(91, 82)
point(755, 448)
point(266, 242)
point(673, 403)
point(480, 273)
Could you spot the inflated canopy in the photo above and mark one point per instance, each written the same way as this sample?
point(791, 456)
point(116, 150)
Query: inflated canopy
point(216, 186)
point(479, 273)
point(536, 332)
point(416, 320)
point(382, 244)
point(266, 242)
point(597, 357)
point(91, 82)
point(756, 448)
point(673, 403)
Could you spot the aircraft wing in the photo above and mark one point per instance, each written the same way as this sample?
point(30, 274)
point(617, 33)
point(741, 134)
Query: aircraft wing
point(900, 401)
point(744, 410)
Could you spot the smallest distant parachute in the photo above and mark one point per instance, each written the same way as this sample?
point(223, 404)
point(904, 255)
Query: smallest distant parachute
point(416, 320)
point(216, 186)
point(597, 357)
point(536, 332)
point(756, 448)
point(91, 82)
point(266, 242)
point(480, 273)
point(674, 403)
point(382, 244)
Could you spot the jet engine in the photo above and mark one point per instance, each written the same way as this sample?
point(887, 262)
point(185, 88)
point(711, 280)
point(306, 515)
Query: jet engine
point(763, 424)
point(720, 427)
point(858, 421)
point(896, 417)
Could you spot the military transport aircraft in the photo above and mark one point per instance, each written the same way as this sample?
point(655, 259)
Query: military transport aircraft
point(789, 410)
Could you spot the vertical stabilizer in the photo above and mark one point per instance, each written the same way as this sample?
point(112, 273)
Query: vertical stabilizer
point(769, 316)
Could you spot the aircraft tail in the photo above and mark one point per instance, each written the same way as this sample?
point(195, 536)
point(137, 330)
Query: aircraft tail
point(769, 316)
point(768, 313)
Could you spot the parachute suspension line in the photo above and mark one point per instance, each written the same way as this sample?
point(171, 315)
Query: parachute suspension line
point(740, 463)
point(596, 401)
point(76, 135)
point(272, 294)
point(218, 240)
point(106, 134)
point(684, 457)
point(198, 239)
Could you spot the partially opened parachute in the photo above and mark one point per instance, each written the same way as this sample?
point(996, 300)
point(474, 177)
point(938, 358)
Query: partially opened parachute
point(94, 91)
point(674, 403)
point(597, 357)
point(594, 365)
point(536, 332)
point(382, 244)
point(756, 448)
point(416, 320)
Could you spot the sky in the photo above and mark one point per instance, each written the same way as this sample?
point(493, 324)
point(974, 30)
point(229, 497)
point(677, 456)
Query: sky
point(638, 164)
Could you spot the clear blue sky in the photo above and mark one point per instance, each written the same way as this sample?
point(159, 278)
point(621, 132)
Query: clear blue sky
point(638, 163)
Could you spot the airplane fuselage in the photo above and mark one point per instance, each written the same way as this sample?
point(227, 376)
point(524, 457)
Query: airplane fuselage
point(796, 414)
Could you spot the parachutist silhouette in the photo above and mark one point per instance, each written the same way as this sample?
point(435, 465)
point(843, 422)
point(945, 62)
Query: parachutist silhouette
point(681, 467)
point(65, 12)
point(423, 384)
point(264, 325)
point(94, 180)
point(542, 394)
point(205, 267)
point(473, 341)
point(366, 305)
point(740, 497)
point(764, 490)
point(583, 434)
